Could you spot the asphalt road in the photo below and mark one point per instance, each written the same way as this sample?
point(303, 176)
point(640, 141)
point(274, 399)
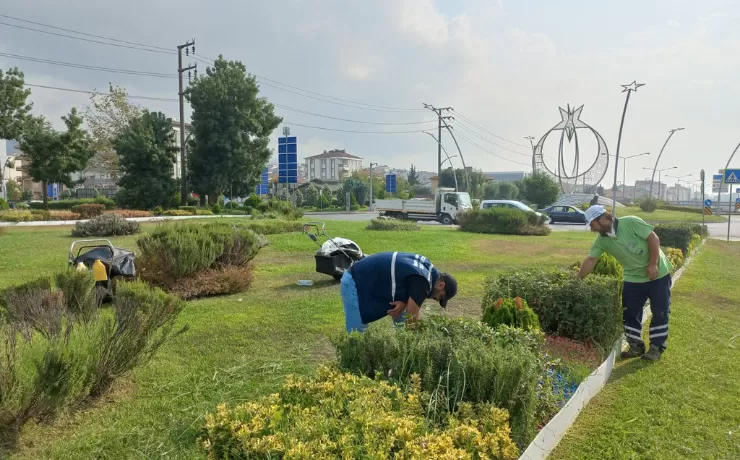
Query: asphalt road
point(717, 230)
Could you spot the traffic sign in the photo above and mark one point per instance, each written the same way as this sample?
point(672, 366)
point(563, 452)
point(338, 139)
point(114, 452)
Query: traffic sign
point(390, 183)
point(288, 160)
point(737, 204)
point(717, 184)
point(707, 202)
point(707, 211)
point(264, 186)
point(732, 176)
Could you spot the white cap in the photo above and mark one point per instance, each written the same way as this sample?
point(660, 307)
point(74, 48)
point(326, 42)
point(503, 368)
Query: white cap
point(594, 212)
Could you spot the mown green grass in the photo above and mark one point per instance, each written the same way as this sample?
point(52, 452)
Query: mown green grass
point(243, 345)
point(687, 405)
point(662, 215)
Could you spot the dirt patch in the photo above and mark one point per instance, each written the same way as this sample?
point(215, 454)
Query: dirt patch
point(465, 307)
point(322, 351)
point(528, 246)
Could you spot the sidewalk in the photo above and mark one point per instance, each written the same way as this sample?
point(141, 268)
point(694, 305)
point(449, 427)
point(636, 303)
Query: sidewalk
point(685, 405)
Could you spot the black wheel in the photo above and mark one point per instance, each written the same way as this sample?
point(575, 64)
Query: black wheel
point(445, 219)
point(552, 221)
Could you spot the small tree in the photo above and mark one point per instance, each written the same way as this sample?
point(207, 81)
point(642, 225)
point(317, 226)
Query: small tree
point(146, 151)
point(507, 191)
point(540, 189)
point(298, 198)
point(311, 197)
point(14, 110)
point(413, 176)
point(14, 190)
point(54, 156)
point(490, 191)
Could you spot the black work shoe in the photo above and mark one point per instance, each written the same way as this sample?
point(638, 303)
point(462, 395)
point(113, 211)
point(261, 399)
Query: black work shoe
point(632, 353)
point(653, 354)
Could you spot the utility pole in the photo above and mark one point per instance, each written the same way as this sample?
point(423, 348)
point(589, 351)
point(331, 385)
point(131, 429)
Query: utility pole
point(180, 72)
point(439, 111)
point(371, 185)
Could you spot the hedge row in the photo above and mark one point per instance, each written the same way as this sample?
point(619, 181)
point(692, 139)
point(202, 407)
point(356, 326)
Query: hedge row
point(680, 236)
point(67, 204)
point(505, 221)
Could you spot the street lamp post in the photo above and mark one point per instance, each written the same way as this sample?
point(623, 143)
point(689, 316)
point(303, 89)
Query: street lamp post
point(670, 134)
point(371, 185)
point(678, 184)
point(660, 195)
point(624, 170)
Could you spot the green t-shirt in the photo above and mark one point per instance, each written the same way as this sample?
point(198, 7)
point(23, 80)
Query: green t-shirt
point(630, 248)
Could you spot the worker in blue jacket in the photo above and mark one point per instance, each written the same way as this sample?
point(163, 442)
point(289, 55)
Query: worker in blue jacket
point(392, 284)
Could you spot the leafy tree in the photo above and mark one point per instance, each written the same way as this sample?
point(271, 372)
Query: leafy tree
point(27, 195)
point(356, 187)
point(54, 156)
point(540, 189)
point(413, 176)
point(146, 152)
point(422, 189)
point(490, 191)
point(324, 201)
point(14, 190)
point(298, 198)
point(474, 183)
point(231, 127)
point(107, 117)
point(311, 197)
point(507, 191)
point(14, 110)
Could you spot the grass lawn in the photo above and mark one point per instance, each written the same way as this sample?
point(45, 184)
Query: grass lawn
point(242, 346)
point(661, 215)
point(686, 406)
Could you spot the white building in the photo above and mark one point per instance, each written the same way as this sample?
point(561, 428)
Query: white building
point(188, 132)
point(332, 167)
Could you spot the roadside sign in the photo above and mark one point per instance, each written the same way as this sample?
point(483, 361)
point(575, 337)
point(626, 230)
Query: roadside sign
point(707, 211)
point(707, 202)
point(390, 183)
point(732, 176)
point(717, 184)
point(737, 204)
point(288, 160)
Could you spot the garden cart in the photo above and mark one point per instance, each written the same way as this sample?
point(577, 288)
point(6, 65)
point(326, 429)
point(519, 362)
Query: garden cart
point(335, 255)
point(108, 263)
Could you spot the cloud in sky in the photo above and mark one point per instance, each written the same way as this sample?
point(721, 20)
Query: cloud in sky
point(506, 66)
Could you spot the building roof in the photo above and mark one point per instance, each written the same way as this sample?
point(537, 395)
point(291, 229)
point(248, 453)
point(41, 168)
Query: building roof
point(334, 154)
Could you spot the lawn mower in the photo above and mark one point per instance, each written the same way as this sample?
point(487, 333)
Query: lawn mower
point(107, 263)
point(335, 255)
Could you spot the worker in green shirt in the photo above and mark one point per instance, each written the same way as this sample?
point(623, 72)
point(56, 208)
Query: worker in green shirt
point(647, 275)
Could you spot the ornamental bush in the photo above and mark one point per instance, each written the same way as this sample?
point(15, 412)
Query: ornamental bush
point(675, 236)
point(512, 312)
point(587, 310)
point(61, 351)
point(340, 415)
point(174, 258)
point(106, 225)
point(506, 221)
point(88, 211)
point(393, 225)
point(457, 360)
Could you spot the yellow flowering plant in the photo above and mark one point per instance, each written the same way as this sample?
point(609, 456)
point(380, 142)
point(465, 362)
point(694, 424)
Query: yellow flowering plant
point(341, 415)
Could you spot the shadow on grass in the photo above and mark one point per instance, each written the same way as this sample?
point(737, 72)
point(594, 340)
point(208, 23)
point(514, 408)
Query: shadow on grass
point(629, 367)
point(319, 284)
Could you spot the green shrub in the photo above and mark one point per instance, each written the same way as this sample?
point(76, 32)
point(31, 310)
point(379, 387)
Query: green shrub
point(59, 351)
point(688, 209)
point(172, 256)
point(606, 266)
point(457, 361)
point(15, 216)
point(511, 312)
point(4, 206)
point(587, 310)
point(675, 257)
point(217, 209)
point(253, 200)
point(675, 236)
point(176, 213)
point(506, 221)
point(40, 214)
point(189, 209)
point(158, 211)
point(337, 415)
point(393, 225)
point(279, 208)
point(88, 211)
point(203, 212)
point(231, 205)
point(67, 204)
point(648, 204)
point(106, 225)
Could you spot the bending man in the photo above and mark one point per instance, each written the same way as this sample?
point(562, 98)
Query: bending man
point(392, 284)
point(647, 275)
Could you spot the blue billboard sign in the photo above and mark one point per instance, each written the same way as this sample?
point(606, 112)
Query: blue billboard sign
point(288, 160)
point(390, 183)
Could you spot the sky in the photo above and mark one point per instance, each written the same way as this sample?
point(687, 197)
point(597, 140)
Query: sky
point(504, 66)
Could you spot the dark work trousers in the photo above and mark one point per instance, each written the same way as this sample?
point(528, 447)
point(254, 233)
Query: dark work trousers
point(633, 301)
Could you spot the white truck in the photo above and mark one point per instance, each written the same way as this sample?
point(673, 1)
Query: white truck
point(445, 207)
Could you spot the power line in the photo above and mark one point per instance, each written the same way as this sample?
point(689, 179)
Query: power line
point(489, 132)
point(461, 126)
point(71, 90)
point(489, 152)
point(88, 67)
point(83, 33)
point(352, 131)
point(85, 39)
point(353, 121)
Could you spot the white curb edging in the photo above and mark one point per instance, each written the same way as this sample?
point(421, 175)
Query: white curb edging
point(59, 223)
point(550, 435)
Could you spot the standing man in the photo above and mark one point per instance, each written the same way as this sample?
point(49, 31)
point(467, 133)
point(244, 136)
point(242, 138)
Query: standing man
point(392, 284)
point(647, 275)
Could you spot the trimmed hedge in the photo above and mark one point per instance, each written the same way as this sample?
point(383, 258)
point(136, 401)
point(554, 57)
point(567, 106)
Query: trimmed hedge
point(504, 221)
point(106, 225)
point(589, 310)
point(680, 236)
point(392, 225)
point(88, 211)
point(669, 207)
point(67, 204)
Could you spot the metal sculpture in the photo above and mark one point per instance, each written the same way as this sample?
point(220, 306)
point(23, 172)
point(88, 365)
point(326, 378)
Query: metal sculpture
point(594, 173)
point(629, 89)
